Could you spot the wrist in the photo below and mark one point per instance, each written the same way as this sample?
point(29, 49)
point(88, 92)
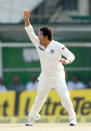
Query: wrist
point(67, 61)
point(27, 22)
point(26, 19)
point(64, 61)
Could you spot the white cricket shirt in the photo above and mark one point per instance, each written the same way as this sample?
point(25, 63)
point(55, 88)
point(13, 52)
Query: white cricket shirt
point(49, 57)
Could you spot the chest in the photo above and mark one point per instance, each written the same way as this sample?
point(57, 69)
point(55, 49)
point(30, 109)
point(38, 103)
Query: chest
point(49, 53)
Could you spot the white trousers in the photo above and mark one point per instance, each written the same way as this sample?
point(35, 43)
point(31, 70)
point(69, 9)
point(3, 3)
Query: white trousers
point(42, 92)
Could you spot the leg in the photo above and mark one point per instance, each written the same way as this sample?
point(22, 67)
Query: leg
point(65, 98)
point(42, 93)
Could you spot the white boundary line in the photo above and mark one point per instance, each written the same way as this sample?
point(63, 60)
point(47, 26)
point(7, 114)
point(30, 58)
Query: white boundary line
point(73, 29)
point(19, 45)
point(39, 69)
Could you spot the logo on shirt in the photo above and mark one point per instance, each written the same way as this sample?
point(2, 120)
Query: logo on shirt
point(63, 48)
point(52, 51)
point(41, 48)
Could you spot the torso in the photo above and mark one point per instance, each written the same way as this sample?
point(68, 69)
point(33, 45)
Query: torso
point(49, 58)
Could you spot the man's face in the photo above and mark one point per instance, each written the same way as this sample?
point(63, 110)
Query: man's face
point(16, 79)
point(89, 83)
point(75, 78)
point(42, 38)
point(1, 81)
point(33, 78)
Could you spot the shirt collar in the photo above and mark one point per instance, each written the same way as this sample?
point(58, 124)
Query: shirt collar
point(49, 44)
point(42, 47)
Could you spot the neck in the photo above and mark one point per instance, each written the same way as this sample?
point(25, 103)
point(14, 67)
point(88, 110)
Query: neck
point(47, 43)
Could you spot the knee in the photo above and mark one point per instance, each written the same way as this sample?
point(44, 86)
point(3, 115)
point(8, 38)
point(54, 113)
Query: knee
point(39, 98)
point(66, 100)
point(66, 97)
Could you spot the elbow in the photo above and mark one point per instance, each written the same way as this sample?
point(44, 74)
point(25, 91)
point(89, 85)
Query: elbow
point(72, 58)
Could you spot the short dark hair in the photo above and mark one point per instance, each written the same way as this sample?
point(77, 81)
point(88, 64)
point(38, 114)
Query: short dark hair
point(47, 31)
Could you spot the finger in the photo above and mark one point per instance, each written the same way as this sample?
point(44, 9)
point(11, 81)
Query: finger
point(29, 11)
point(25, 12)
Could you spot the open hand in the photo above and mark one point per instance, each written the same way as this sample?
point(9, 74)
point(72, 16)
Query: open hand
point(26, 14)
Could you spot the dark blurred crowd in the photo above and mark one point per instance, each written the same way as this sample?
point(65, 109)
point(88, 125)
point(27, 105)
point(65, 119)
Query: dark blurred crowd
point(16, 85)
point(76, 83)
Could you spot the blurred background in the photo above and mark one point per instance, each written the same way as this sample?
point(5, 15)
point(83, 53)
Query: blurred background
point(19, 61)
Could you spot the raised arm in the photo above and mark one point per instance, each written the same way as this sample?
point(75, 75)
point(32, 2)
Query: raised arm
point(29, 28)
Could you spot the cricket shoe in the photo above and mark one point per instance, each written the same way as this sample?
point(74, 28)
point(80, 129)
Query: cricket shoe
point(73, 122)
point(31, 122)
